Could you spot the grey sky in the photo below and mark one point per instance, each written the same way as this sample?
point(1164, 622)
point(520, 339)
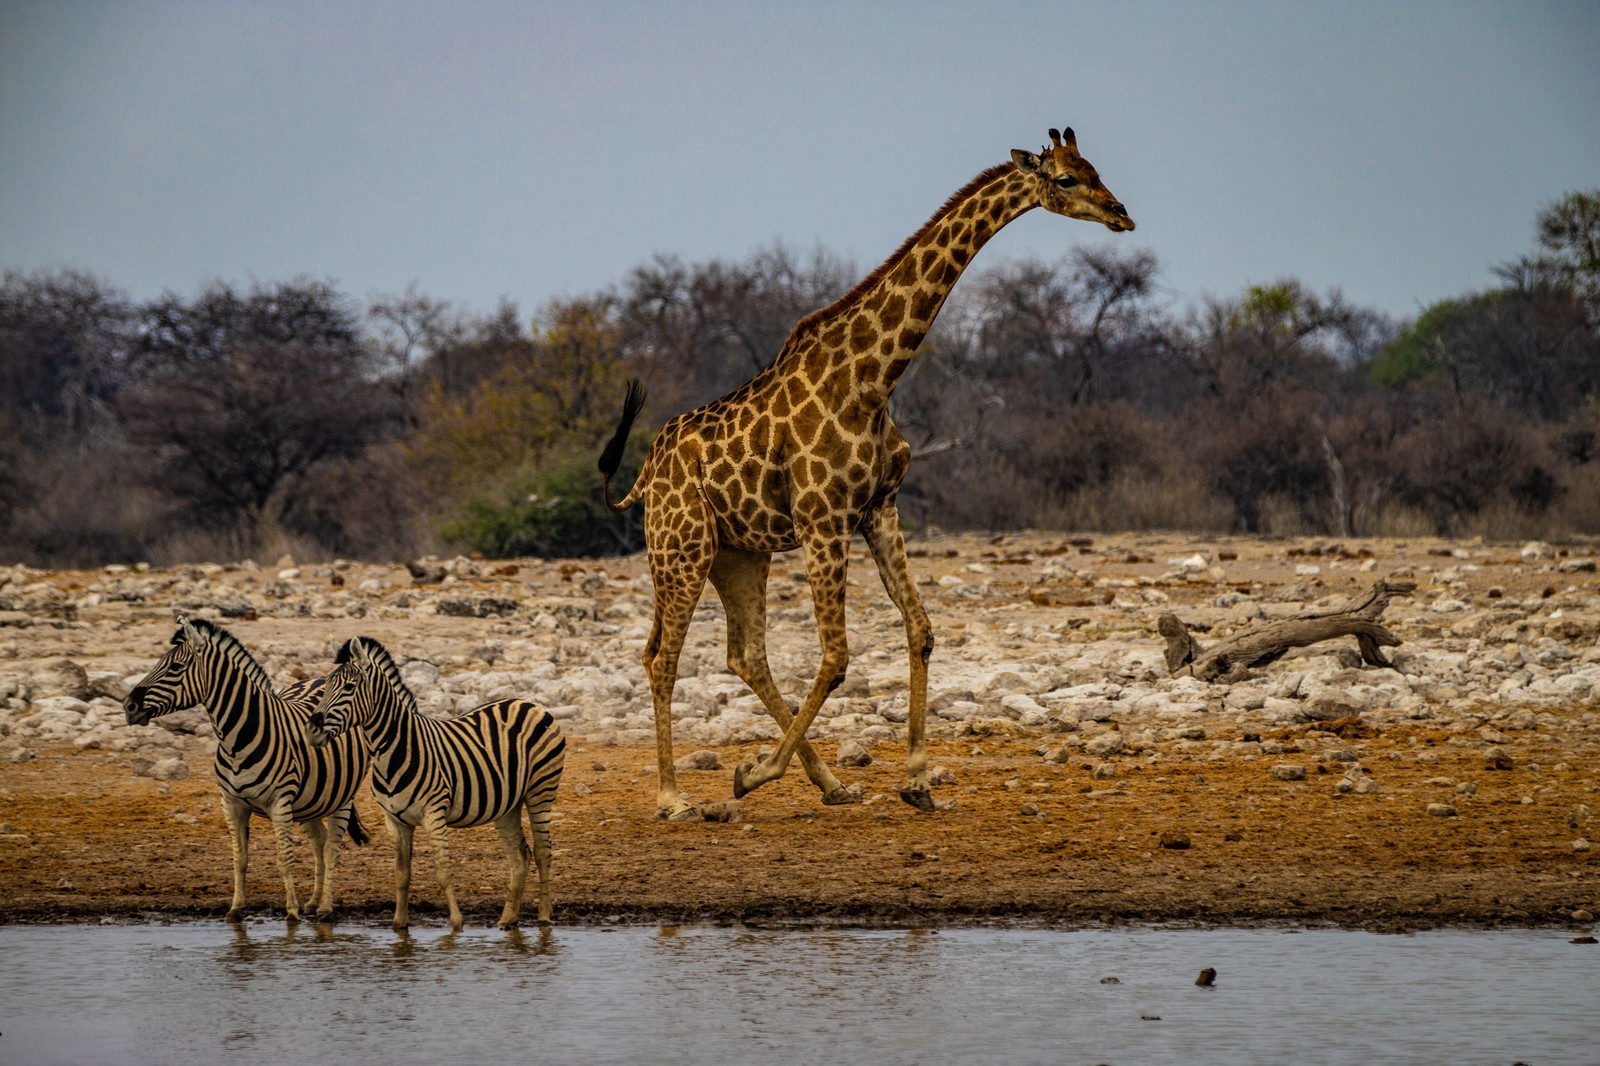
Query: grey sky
point(1394, 150)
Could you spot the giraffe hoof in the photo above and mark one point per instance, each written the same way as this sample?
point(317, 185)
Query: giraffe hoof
point(741, 777)
point(920, 798)
point(679, 812)
point(841, 796)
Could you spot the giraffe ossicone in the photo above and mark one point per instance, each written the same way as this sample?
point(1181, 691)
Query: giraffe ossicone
point(805, 455)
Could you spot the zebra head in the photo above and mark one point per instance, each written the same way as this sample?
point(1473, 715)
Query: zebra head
point(173, 684)
point(339, 691)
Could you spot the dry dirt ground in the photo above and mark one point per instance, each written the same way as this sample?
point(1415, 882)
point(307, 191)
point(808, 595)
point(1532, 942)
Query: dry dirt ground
point(1185, 837)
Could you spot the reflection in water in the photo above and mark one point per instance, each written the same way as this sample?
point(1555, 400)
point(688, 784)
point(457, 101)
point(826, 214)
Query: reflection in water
point(685, 994)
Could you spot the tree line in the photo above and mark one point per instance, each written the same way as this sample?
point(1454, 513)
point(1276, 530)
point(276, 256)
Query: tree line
point(1063, 394)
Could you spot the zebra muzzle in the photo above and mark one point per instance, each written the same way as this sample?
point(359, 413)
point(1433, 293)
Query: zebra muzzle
point(134, 708)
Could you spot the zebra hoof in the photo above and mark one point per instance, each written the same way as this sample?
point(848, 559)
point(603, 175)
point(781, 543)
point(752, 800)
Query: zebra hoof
point(679, 812)
point(920, 798)
point(840, 796)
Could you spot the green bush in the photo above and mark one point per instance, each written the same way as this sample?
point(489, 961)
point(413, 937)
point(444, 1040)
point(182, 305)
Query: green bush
point(553, 512)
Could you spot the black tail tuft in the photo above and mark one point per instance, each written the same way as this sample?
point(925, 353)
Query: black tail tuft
point(611, 458)
point(357, 831)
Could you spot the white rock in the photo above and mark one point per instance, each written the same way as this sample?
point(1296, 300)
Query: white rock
point(1108, 743)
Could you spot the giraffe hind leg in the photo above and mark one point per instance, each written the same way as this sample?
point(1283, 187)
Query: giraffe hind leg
point(679, 571)
point(740, 579)
point(825, 566)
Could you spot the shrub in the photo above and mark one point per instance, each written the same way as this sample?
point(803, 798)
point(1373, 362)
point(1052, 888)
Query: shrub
point(553, 512)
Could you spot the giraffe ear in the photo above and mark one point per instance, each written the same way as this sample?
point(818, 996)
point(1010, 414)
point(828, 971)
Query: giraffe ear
point(1025, 161)
point(1069, 140)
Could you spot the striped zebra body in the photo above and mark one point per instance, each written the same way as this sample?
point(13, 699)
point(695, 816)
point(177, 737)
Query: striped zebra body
point(264, 764)
point(483, 767)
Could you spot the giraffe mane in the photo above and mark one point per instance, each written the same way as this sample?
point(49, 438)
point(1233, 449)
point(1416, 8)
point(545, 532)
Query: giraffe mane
point(861, 287)
point(384, 662)
point(232, 647)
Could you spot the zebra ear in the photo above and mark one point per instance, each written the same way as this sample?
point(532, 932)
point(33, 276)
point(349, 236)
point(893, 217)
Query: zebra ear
point(361, 652)
point(191, 635)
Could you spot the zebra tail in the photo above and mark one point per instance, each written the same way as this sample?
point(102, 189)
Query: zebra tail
point(611, 458)
point(358, 832)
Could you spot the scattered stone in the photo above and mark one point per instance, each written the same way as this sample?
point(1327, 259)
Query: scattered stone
point(1104, 744)
point(63, 677)
point(1174, 841)
point(171, 768)
point(1029, 810)
point(853, 753)
point(425, 572)
point(721, 811)
point(941, 775)
point(1285, 771)
point(1441, 810)
point(1496, 760)
point(1580, 844)
point(699, 760)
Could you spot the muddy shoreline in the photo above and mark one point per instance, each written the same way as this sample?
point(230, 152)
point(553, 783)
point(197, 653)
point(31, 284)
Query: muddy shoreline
point(1083, 787)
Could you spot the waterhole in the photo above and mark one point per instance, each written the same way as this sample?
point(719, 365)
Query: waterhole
point(265, 992)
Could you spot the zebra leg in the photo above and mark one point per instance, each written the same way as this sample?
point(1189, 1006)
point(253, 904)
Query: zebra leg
point(539, 820)
point(338, 822)
point(434, 823)
point(402, 871)
point(283, 827)
point(509, 827)
point(238, 818)
point(318, 834)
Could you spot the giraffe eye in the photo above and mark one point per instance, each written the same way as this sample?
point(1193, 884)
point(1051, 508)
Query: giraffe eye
point(1066, 183)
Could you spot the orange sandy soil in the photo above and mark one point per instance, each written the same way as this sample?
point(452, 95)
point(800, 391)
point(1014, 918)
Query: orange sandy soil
point(91, 840)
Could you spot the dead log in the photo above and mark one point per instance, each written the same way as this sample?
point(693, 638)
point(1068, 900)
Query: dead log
point(1233, 658)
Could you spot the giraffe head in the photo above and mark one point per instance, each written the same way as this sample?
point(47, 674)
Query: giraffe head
point(1068, 184)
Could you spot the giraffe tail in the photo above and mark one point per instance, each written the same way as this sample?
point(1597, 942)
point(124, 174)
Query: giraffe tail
point(611, 458)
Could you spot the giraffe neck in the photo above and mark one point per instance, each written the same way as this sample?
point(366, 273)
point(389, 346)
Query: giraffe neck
point(873, 330)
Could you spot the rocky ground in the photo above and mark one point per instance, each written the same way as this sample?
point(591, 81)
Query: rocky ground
point(1077, 781)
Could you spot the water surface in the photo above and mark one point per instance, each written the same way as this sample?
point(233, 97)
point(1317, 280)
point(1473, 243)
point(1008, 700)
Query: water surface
point(267, 993)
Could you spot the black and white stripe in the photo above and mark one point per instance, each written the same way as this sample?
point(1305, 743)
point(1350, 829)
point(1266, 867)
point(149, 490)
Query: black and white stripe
point(264, 764)
point(483, 767)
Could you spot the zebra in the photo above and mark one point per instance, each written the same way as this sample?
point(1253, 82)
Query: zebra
point(484, 766)
point(264, 765)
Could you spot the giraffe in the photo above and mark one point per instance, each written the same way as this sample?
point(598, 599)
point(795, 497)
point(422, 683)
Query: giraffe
point(805, 455)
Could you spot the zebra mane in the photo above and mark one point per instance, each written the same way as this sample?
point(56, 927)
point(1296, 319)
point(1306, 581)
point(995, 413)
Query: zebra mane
point(385, 663)
point(232, 647)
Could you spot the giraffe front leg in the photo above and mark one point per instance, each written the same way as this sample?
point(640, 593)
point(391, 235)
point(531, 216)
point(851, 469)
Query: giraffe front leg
point(825, 567)
point(433, 823)
point(237, 816)
point(283, 829)
point(881, 528)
